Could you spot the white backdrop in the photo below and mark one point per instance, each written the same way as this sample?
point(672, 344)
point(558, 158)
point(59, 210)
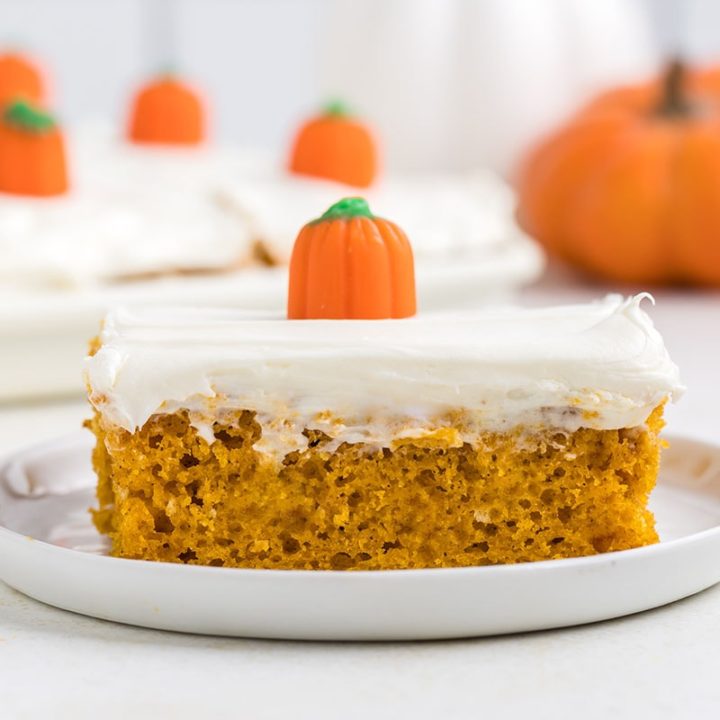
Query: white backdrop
point(472, 80)
point(449, 83)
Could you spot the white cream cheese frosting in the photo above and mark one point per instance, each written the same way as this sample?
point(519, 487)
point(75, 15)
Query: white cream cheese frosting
point(139, 211)
point(445, 216)
point(90, 239)
point(130, 212)
point(600, 365)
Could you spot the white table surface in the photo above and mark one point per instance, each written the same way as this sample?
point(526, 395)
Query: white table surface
point(660, 664)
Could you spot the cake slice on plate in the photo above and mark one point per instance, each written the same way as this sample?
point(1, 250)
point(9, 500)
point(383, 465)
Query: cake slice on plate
point(355, 435)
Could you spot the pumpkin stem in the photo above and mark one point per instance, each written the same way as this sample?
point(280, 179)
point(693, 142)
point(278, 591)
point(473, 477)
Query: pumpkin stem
point(24, 116)
point(673, 102)
point(347, 208)
point(336, 109)
point(167, 72)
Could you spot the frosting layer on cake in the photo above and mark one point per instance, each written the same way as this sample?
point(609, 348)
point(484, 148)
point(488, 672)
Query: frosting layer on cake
point(130, 213)
point(445, 216)
point(600, 365)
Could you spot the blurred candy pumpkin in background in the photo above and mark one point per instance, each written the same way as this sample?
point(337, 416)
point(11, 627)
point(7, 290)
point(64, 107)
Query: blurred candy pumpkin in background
point(20, 77)
point(167, 111)
point(32, 152)
point(629, 189)
point(335, 146)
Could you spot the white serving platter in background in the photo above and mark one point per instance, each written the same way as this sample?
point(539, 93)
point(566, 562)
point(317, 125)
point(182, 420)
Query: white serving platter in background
point(49, 551)
point(44, 334)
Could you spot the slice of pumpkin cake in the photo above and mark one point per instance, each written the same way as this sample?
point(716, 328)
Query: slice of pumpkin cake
point(353, 434)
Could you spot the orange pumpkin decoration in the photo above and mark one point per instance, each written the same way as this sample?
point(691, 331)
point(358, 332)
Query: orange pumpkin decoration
point(705, 80)
point(630, 189)
point(350, 264)
point(20, 78)
point(334, 146)
point(167, 112)
point(32, 152)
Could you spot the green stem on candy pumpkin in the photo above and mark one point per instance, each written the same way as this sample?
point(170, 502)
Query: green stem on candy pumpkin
point(167, 71)
point(346, 209)
point(24, 116)
point(336, 109)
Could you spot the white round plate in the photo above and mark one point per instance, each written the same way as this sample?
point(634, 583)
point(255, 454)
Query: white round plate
point(48, 550)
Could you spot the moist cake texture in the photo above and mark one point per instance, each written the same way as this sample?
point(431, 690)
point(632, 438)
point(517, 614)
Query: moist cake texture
point(504, 436)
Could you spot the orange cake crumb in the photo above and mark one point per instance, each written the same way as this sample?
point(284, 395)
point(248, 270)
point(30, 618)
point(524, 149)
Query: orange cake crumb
point(167, 494)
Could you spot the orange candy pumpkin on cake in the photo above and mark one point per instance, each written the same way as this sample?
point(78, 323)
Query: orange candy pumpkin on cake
point(20, 78)
point(167, 111)
point(32, 152)
point(335, 146)
point(629, 189)
point(350, 264)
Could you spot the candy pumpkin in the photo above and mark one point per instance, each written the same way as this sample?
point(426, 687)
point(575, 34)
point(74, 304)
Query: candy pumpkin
point(167, 112)
point(20, 78)
point(350, 264)
point(629, 190)
point(337, 147)
point(32, 152)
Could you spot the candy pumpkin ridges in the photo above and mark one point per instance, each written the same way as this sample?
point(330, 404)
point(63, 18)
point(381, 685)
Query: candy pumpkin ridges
point(20, 79)
point(336, 147)
point(350, 264)
point(167, 112)
point(32, 152)
point(629, 189)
